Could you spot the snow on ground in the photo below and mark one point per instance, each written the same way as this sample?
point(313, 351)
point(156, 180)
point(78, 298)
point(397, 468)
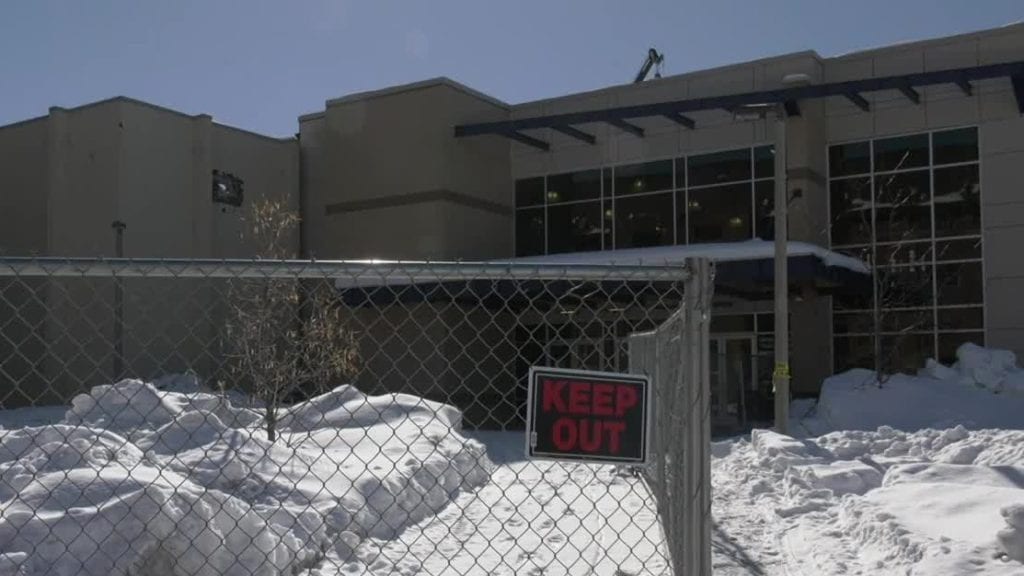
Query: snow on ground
point(136, 480)
point(534, 517)
point(923, 475)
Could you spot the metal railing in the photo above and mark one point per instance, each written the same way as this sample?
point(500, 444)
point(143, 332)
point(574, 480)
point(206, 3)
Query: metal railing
point(284, 417)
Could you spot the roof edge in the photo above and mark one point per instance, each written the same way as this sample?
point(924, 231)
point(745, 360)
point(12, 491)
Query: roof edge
point(412, 86)
point(859, 53)
point(675, 77)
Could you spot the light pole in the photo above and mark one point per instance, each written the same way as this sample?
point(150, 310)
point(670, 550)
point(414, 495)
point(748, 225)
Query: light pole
point(781, 373)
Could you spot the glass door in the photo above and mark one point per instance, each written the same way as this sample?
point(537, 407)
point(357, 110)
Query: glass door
point(732, 371)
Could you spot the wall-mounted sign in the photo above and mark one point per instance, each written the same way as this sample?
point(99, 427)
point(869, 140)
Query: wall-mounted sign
point(587, 416)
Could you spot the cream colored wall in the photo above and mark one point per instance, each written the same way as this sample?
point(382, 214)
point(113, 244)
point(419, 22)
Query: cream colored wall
point(150, 168)
point(395, 144)
point(23, 183)
point(269, 168)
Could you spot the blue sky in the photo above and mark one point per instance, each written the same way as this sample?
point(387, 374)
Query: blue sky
point(258, 64)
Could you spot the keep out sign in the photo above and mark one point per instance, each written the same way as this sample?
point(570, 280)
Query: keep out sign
point(587, 416)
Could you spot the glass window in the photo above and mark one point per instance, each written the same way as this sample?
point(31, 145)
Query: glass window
point(719, 167)
point(853, 322)
point(732, 323)
point(720, 214)
point(764, 162)
point(646, 177)
point(905, 321)
point(957, 201)
point(954, 146)
point(584, 185)
point(904, 207)
point(853, 301)
point(574, 227)
point(961, 318)
point(849, 159)
point(907, 353)
point(851, 211)
point(643, 221)
point(530, 191)
point(961, 249)
point(852, 352)
point(927, 226)
point(904, 286)
point(904, 253)
point(960, 283)
point(949, 342)
point(530, 232)
point(766, 323)
point(764, 204)
point(901, 153)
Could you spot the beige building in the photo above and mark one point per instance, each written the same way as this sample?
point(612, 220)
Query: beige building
point(886, 161)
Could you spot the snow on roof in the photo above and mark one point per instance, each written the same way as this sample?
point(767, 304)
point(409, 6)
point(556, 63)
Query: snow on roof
point(717, 252)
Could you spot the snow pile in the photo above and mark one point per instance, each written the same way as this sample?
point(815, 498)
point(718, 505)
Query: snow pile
point(937, 502)
point(979, 391)
point(992, 369)
point(142, 481)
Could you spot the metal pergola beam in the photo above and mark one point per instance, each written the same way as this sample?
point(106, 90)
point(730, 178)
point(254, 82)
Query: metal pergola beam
point(685, 121)
point(858, 101)
point(1018, 90)
point(957, 76)
point(911, 94)
point(577, 134)
point(626, 127)
point(528, 140)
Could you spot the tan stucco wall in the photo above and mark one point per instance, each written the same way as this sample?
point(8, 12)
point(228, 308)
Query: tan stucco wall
point(388, 149)
point(151, 169)
point(23, 180)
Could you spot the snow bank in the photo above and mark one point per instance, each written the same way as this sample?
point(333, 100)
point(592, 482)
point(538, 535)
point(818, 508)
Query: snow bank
point(138, 480)
point(938, 502)
point(982, 390)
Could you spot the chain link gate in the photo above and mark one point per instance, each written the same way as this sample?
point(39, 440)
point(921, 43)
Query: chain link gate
point(291, 417)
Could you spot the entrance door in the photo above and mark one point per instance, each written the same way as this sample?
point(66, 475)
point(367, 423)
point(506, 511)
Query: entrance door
point(732, 371)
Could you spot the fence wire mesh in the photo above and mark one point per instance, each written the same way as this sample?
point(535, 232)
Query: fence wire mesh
point(291, 417)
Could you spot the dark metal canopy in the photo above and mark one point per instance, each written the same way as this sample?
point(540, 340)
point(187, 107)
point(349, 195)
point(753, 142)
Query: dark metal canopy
point(676, 110)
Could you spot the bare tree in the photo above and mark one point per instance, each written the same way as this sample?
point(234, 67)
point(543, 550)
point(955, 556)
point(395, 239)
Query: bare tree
point(901, 259)
point(284, 335)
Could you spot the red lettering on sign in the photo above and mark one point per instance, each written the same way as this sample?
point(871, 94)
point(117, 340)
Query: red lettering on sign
point(590, 435)
point(579, 397)
point(603, 394)
point(563, 434)
point(625, 398)
point(552, 398)
point(615, 430)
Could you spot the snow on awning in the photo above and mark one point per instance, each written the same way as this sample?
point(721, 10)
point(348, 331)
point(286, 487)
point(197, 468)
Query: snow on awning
point(744, 269)
point(749, 250)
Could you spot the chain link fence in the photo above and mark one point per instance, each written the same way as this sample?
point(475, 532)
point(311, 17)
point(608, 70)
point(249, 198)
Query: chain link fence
point(292, 417)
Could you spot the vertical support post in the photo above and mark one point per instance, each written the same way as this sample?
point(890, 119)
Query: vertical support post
point(697, 469)
point(781, 374)
point(118, 227)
